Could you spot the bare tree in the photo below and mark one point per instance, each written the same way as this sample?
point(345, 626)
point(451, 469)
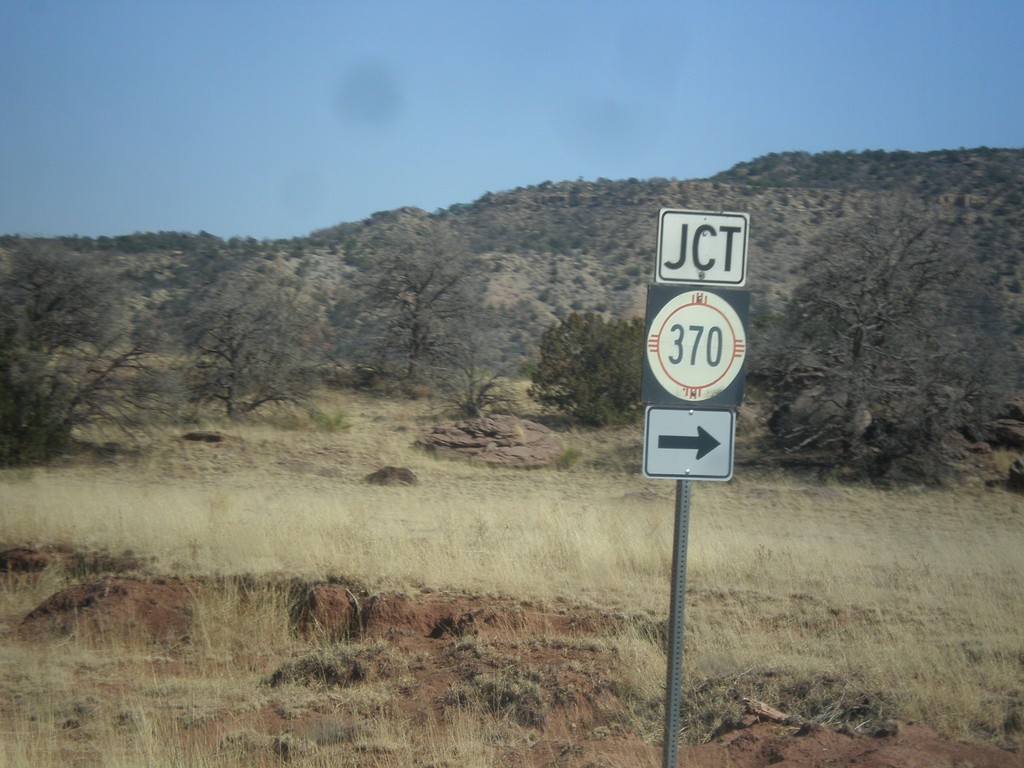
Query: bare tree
point(252, 341)
point(474, 381)
point(893, 339)
point(70, 354)
point(424, 283)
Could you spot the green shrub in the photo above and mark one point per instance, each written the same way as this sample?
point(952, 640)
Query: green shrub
point(569, 458)
point(590, 368)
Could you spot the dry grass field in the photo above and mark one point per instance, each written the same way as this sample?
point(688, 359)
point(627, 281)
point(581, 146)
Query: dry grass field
point(506, 617)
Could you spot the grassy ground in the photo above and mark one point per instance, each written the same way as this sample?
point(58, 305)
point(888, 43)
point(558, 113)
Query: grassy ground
point(826, 600)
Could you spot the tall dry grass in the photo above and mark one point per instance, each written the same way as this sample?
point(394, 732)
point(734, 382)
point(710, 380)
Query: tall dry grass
point(819, 598)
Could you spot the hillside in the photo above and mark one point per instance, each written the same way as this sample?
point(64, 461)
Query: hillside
point(244, 593)
point(590, 245)
point(552, 248)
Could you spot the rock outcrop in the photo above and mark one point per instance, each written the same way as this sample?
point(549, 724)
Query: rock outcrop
point(500, 440)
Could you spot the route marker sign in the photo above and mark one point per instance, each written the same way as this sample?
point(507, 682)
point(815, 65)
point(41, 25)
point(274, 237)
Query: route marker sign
point(702, 247)
point(689, 443)
point(696, 346)
point(696, 349)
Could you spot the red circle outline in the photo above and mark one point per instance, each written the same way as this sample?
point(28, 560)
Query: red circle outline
point(732, 357)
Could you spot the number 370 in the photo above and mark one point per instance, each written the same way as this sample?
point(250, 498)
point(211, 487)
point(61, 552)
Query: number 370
point(713, 338)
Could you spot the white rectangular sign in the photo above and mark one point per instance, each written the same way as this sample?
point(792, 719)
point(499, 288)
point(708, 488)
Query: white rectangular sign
point(702, 247)
point(689, 443)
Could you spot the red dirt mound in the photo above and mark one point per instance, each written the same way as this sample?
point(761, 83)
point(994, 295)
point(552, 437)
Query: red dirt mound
point(542, 670)
point(332, 610)
point(909, 746)
point(126, 608)
point(545, 669)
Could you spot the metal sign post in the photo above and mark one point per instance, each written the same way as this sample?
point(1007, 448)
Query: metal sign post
point(674, 676)
point(692, 381)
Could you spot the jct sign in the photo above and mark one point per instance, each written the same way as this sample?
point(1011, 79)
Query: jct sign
point(693, 370)
point(696, 346)
point(702, 247)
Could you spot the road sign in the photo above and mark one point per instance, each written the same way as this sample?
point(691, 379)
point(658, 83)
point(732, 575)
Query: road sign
point(702, 247)
point(689, 443)
point(696, 346)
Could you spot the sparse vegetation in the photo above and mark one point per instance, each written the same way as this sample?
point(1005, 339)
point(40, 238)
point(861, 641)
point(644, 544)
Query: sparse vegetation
point(454, 301)
point(251, 343)
point(422, 290)
point(71, 352)
point(275, 606)
point(838, 604)
point(892, 343)
point(569, 458)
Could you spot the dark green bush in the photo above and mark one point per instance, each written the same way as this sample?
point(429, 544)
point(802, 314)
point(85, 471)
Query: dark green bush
point(590, 368)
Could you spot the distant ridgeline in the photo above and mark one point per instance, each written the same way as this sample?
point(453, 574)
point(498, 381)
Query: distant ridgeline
point(554, 248)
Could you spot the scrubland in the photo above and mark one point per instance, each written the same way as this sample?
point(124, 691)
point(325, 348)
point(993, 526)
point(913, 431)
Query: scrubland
point(838, 603)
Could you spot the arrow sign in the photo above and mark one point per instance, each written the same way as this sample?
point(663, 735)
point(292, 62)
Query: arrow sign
point(689, 443)
point(703, 443)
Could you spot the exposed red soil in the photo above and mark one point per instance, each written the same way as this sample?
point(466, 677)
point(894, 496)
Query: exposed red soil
point(542, 667)
point(126, 608)
point(910, 746)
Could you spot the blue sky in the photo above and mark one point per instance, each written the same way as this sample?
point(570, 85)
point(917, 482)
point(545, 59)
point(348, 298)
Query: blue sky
point(272, 119)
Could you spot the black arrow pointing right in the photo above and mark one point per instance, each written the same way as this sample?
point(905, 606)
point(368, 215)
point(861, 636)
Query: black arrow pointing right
point(702, 442)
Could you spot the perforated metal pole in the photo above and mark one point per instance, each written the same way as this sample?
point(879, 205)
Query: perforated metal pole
point(674, 677)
